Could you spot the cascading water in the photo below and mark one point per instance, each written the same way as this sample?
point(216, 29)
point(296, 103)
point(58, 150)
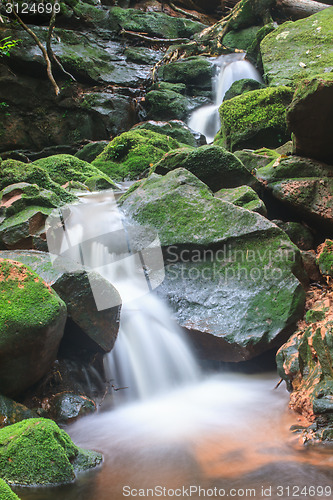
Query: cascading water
point(229, 69)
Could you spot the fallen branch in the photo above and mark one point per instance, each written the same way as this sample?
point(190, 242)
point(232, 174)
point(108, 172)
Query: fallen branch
point(141, 36)
point(184, 12)
point(298, 9)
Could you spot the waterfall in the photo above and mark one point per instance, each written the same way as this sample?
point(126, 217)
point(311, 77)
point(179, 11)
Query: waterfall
point(229, 69)
point(151, 354)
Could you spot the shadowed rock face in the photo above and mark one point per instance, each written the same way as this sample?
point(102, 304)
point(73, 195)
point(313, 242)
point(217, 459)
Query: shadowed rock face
point(231, 274)
point(32, 321)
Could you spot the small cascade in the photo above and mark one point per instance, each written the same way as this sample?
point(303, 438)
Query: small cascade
point(151, 354)
point(229, 69)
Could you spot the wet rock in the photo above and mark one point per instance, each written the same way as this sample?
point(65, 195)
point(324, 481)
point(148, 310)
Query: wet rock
point(166, 105)
point(222, 297)
point(243, 196)
point(67, 407)
point(176, 129)
point(213, 165)
point(241, 39)
point(255, 119)
point(131, 154)
point(325, 258)
point(32, 321)
point(91, 150)
point(241, 87)
point(75, 290)
point(304, 186)
point(298, 233)
point(30, 443)
point(192, 71)
point(300, 49)
point(312, 104)
point(12, 412)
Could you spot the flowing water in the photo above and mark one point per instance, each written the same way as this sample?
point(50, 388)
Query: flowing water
point(176, 430)
point(229, 69)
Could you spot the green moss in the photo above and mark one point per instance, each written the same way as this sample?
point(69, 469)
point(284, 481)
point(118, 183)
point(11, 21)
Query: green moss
point(241, 39)
point(196, 71)
point(166, 105)
point(312, 316)
point(174, 128)
point(65, 168)
point(6, 493)
point(241, 87)
point(36, 451)
point(180, 88)
point(13, 172)
point(244, 197)
point(299, 50)
point(132, 153)
point(90, 151)
point(255, 119)
point(325, 259)
point(26, 301)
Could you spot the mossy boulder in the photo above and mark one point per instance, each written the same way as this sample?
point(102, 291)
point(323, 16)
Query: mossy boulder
point(155, 24)
point(300, 49)
point(253, 160)
point(216, 255)
point(89, 152)
point(6, 493)
point(143, 55)
point(213, 165)
point(305, 186)
point(32, 320)
point(325, 258)
point(132, 153)
point(305, 363)
point(255, 119)
point(12, 412)
point(96, 329)
point(166, 105)
point(174, 128)
point(241, 87)
point(37, 452)
point(309, 117)
point(65, 168)
point(298, 233)
point(243, 196)
point(192, 71)
point(241, 39)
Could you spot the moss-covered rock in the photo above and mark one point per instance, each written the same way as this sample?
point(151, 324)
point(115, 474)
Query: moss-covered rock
point(36, 451)
point(174, 128)
point(213, 165)
point(253, 160)
point(32, 320)
point(155, 24)
point(143, 55)
point(14, 172)
point(193, 71)
point(6, 493)
point(89, 152)
point(12, 412)
point(217, 255)
point(243, 196)
point(299, 49)
point(241, 87)
point(309, 117)
point(325, 258)
point(180, 88)
point(65, 168)
point(241, 39)
point(305, 363)
point(132, 153)
point(255, 119)
point(298, 233)
point(166, 105)
point(74, 287)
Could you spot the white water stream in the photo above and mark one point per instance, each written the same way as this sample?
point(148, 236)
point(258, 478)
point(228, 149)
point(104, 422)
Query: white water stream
point(229, 69)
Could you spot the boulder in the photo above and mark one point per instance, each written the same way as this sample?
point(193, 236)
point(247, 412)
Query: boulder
point(231, 274)
point(75, 290)
point(255, 119)
point(213, 165)
point(310, 265)
point(66, 168)
point(176, 129)
point(241, 39)
point(67, 407)
point(309, 117)
point(304, 186)
point(37, 452)
point(32, 320)
point(12, 412)
point(300, 49)
point(298, 233)
point(6, 493)
point(192, 71)
point(325, 258)
point(243, 196)
point(166, 105)
point(242, 86)
point(132, 153)
point(305, 363)
point(253, 160)
point(91, 150)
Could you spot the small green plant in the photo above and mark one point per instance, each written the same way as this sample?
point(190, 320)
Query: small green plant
point(6, 45)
